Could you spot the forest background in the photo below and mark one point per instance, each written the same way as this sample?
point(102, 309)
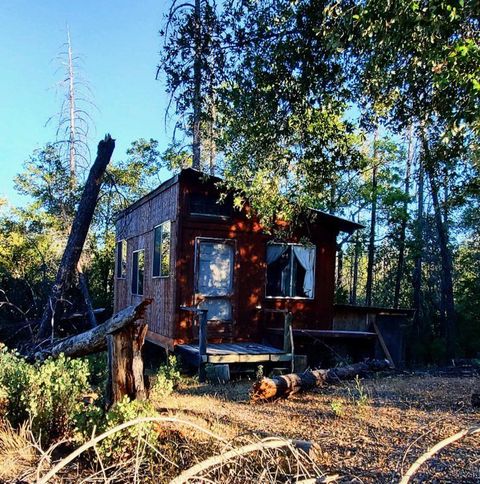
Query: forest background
point(363, 109)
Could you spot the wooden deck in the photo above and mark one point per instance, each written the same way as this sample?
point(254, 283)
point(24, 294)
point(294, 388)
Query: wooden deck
point(233, 353)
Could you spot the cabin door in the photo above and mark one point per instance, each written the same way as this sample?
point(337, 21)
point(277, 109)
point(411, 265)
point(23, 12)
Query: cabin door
point(214, 285)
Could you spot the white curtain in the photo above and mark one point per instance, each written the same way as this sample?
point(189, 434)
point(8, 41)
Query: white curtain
point(275, 251)
point(306, 257)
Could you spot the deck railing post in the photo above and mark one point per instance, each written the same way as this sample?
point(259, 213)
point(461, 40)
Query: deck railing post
point(202, 344)
point(288, 335)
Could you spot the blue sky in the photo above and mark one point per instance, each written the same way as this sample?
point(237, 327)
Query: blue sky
point(119, 43)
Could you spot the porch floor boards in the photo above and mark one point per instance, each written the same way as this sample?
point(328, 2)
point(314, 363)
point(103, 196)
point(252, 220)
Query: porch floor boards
point(234, 353)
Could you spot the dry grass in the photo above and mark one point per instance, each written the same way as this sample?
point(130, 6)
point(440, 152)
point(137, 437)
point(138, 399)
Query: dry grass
point(369, 431)
point(372, 439)
point(18, 455)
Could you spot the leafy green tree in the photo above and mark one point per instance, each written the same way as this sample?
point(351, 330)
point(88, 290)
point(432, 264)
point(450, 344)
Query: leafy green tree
point(192, 60)
point(284, 131)
point(421, 62)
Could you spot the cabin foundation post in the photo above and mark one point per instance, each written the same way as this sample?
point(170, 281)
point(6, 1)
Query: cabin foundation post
point(202, 345)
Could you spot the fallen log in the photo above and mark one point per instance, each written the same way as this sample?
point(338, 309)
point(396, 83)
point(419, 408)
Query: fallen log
point(94, 340)
point(78, 233)
point(285, 385)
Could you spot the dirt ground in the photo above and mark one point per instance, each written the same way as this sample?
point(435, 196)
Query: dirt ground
point(367, 431)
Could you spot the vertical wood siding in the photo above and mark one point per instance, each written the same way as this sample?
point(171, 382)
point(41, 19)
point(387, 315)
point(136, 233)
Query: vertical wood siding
point(137, 228)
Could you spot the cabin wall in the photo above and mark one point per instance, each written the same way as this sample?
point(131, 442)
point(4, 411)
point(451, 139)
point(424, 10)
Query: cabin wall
point(250, 273)
point(137, 228)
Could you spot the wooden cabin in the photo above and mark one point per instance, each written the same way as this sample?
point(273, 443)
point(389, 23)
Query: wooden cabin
point(194, 254)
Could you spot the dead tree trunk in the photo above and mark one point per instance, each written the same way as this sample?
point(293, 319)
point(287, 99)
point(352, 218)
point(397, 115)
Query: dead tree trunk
point(285, 385)
point(126, 364)
point(78, 234)
point(94, 340)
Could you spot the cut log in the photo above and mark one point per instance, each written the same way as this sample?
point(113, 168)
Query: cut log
point(78, 234)
point(285, 385)
point(94, 340)
point(126, 364)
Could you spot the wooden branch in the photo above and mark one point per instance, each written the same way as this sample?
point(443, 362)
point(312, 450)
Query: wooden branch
point(192, 472)
point(94, 340)
point(436, 448)
point(95, 440)
point(285, 385)
point(78, 234)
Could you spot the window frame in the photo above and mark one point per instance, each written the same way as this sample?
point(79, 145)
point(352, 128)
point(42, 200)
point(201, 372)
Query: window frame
point(123, 270)
point(131, 282)
point(199, 298)
point(160, 276)
point(290, 244)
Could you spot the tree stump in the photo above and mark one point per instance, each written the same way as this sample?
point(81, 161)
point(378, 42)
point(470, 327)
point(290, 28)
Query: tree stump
point(126, 364)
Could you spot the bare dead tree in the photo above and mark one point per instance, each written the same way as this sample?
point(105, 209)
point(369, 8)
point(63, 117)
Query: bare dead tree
point(78, 233)
point(73, 118)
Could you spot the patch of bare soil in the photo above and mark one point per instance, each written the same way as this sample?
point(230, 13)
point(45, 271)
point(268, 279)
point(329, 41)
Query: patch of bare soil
point(367, 431)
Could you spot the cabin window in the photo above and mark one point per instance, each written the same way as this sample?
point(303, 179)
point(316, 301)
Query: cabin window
point(161, 250)
point(210, 206)
point(121, 259)
point(290, 270)
point(138, 269)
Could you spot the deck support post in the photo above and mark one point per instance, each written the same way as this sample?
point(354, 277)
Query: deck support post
point(202, 345)
point(288, 336)
point(202, 339)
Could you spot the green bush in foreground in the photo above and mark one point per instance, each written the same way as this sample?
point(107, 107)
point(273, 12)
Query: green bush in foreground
point(49, 393)
point(124, 444)
point(166, 379)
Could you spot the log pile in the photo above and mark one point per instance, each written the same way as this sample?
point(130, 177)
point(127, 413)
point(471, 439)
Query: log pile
point(286, 385)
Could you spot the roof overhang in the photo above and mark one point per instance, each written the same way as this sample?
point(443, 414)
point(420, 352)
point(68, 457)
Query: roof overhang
point(343, 224)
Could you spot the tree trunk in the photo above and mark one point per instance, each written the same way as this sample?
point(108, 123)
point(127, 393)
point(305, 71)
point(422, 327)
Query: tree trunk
point(78, 234)
point(126, 364)
point(197, 87)
point(403, 227)
point(285, 385)
point(356, 259)
point(339, 268)
point(445, 255)
point(417, 271)
point(83, 284)
point(373, 222)
point(94, 340)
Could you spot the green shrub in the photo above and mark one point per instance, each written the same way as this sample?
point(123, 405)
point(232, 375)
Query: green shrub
point(121, 445)
point(337, 408)
point(98, 369)
point(166, 379)
point(47, 393)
